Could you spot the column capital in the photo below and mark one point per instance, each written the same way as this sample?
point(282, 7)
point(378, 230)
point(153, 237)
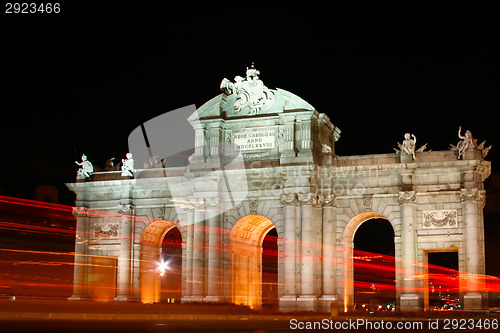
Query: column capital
point(212, 202)
point(289, 199)
point(406, 197)
point(472, 194)
point(307, 198)
point(199, 203)
point(326, 200)
point(80, 212)
point(127, 209)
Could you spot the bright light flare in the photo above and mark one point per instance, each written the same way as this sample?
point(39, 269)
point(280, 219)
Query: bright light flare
point(163, 267)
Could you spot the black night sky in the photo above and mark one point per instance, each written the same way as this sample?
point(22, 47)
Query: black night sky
point(80, 81)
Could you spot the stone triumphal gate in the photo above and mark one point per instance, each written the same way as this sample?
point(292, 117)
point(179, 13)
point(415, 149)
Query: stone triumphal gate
point(264, 159)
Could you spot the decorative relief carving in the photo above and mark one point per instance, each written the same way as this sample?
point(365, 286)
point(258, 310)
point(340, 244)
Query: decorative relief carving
point(437, 219)
point(161, 212)
point(367, 202)
point(407, 197)
point(105, 230)
point(253, 206)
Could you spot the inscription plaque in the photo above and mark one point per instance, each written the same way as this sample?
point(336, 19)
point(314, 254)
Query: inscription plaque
point(254, 139)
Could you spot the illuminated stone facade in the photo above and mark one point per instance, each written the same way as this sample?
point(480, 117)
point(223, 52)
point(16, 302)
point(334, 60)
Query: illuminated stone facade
point(279, 170)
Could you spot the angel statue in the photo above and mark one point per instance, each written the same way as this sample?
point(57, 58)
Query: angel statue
point(128, 166)
point(409, 145)
point(86, 168)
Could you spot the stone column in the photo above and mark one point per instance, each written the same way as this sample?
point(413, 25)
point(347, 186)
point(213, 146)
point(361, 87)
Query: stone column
point(472, 203)
point(289, 297)
point(305, 131)
point(125, 258)
point(307, 298)
point(199, 253)
point(288, 152)
point(409, 299)
point(213, 216)
point(188, 278)
point(329, 251)
point(289, 135)
point(199, 141)
point(80, 268)
point(215, 133)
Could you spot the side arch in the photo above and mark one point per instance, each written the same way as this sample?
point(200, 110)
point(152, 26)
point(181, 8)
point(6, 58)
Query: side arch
point(348, 246)
point(246, 238)
point(150, 256)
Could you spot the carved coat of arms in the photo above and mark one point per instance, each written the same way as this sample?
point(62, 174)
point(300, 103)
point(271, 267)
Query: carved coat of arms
point(251, 92)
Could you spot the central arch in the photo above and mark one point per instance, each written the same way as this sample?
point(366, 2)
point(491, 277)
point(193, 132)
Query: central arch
point(150, 257)
point(348, 247)
point(246, 239)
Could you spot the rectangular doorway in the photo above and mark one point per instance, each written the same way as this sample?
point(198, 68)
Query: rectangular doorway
point(103, 273)
point(441, 279)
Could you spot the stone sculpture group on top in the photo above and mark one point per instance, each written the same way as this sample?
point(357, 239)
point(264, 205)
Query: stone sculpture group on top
point(408, 147)
point(87, 169)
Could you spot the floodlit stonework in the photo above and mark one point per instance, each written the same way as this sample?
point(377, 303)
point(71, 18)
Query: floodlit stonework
point(263, 159)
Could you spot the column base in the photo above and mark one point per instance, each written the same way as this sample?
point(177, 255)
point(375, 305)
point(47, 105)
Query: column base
point(473, 301)
point(304, 156)
point(288, 303)
point(325, 301)
point(192, 299)
point(409, 302)
point(121, 298)
point(75, 298)
point(306, 302)
point(212, 299)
